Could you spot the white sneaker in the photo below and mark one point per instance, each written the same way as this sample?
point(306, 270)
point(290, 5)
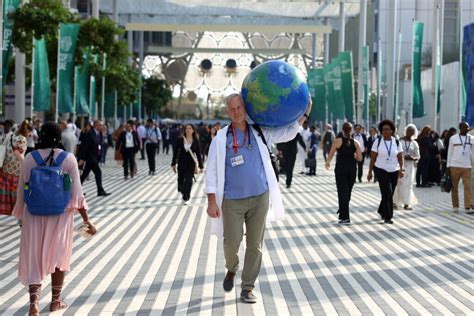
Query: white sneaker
point(185, 202)
point(469, 211)
point(455, 209)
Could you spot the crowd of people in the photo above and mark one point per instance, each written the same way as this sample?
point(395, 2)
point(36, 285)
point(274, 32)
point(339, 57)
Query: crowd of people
point(229, 154)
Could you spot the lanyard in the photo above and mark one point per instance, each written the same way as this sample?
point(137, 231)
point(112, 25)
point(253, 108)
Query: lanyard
point(463, 144)
point(235, 144)
point(406, 146)
point(389, 151)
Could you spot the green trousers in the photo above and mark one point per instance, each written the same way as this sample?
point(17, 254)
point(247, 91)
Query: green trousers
point(253, 212)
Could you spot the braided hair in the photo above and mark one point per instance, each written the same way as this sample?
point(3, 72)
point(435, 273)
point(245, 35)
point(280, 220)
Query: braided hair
point(50, 137)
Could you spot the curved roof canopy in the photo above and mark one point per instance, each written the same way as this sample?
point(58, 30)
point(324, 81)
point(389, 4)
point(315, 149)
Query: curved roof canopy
point(224, 15)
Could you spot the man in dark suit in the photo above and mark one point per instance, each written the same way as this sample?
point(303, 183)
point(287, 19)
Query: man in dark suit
point(362, 139)
point(289, 150)
point(90, 155)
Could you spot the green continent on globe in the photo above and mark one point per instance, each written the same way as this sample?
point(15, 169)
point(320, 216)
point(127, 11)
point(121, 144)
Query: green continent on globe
point(262, 92)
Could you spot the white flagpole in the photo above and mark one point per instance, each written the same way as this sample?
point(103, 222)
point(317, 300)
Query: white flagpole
point(56, 112)
point(1, 56)
point(32, 80)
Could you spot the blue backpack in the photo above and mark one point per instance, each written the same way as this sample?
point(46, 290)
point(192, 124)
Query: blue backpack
point(49, 190)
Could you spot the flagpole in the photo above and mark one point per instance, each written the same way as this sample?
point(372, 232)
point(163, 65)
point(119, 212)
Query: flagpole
point(434, 64)
point(1, 56)
point(397, 80)
point(460, 77)
point(104, 60)
point(32, 80)
point(410, 104)
point(56, 112)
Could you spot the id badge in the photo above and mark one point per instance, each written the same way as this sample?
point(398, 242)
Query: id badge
point(237, 160)
point(100, 147)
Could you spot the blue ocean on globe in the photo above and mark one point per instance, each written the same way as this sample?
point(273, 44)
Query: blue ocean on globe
point(275, 94)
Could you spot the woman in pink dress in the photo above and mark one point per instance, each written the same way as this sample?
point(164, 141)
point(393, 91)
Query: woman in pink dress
point(46, 241)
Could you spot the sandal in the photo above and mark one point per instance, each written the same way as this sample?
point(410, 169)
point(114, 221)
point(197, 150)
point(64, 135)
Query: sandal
point(62, 305)
point(35, 291)
point(56, 303)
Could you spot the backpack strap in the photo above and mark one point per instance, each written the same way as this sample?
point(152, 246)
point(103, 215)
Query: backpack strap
point(60, 158)
point(37, 157)
point(260, 133)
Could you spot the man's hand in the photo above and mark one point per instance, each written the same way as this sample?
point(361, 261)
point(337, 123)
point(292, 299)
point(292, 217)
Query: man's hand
point(213, 210)
point(369, 176)
point(174, 168)
point(80, 163)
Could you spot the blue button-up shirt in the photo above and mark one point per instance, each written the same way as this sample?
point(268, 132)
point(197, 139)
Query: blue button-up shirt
point(247, 179)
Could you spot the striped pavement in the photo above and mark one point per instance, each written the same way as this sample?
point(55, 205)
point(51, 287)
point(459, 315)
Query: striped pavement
point(154, 256)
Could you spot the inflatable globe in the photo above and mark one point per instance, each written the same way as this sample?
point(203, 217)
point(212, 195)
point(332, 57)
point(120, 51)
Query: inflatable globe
point(275, 94)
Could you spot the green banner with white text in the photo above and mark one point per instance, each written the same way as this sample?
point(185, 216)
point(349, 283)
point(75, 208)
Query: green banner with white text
point(41, 81)
point(345, 59)
point(83, 86)
point(317, 90)
point(417, 94)
point(339, 107)
point(9, 6)
point(67, 47)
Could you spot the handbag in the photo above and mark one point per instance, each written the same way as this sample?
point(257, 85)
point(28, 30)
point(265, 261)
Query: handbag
point(446, 184)
point(310, 162)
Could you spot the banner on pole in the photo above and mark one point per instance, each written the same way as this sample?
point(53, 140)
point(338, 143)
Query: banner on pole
point(67, 46)
point(317, 90)
point(9, 6)
point(336, 76)
point(41, 81)
point(83, 86)
point(417, 94)
point(328, 85)
point(347, 76)
point(468, 72)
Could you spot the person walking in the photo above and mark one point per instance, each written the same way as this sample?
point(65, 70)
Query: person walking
point(89, 154)
point(425, 144)
point(68, 138)
point(240, 183)
point(15, 143)
point(142, 135)
point(166, 138)
point(362, 140)
point(460, 153)
point(302, 152)
point(327, 139)
point(404, 193)
point(312, 150)
point(129, 144)
point(289, 151)
point(152, 144)
point(349, 153)
point(388, 164)
point(187, 155)
point(46, 241)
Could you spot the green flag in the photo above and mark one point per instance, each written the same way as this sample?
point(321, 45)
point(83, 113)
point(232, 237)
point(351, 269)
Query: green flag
point(83, 86)
point(9, 6)
point(92, 94)
point(339, 106)
point(41, 81)
point(328, 85)
point(67, 47)
point(317, 90)
point(417, 94)
point(109, 104)
point(345, 59)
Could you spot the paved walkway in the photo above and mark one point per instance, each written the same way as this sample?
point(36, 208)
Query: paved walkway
point(153, 255)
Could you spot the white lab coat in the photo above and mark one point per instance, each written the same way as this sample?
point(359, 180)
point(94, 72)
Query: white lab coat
point(215, 171)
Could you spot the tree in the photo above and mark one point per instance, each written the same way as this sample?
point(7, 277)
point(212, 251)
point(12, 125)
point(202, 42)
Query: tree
point(156, 93)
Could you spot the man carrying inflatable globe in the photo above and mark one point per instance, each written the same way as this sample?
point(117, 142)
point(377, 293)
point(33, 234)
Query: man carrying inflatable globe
point(241, 184)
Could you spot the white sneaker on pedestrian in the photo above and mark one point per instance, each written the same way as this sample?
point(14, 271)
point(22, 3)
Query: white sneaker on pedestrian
point(455, 209)
point(469, 211)
point(185, 202)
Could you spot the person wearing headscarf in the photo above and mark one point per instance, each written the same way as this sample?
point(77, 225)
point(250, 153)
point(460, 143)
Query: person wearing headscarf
point(404, 192)
point(46, 241)
point(16, 144)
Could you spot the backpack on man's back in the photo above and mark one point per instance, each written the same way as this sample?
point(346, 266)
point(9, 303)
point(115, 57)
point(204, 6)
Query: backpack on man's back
point(49, 190)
